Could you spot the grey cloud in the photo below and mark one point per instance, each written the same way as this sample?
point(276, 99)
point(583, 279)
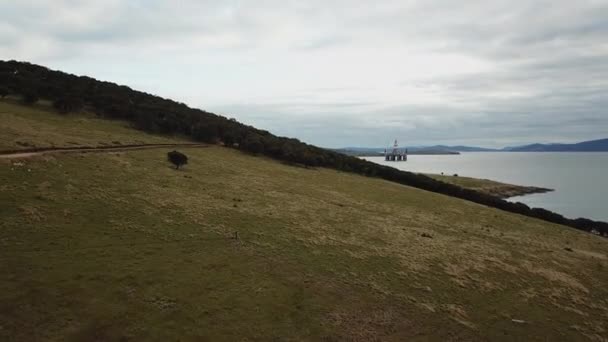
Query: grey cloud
point(547, 75)
point(321, 43)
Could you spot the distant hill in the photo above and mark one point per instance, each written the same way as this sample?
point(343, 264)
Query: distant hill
point(436, 149)
point(370, 151)
point(600, 145)
point(458, 148)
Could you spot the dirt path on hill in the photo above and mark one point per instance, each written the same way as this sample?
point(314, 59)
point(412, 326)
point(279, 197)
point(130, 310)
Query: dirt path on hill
point(28, 153)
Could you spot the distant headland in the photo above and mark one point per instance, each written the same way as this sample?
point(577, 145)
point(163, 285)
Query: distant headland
point(600, 145)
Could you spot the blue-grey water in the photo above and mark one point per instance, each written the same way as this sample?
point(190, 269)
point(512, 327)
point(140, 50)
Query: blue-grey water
point(580, 179)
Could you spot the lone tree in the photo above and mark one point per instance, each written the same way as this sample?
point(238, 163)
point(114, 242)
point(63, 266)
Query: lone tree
point(177, 158)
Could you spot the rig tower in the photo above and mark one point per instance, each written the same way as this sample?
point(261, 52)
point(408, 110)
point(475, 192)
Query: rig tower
point(395, 154)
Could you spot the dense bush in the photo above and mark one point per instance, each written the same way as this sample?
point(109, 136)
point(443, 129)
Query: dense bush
point(30, 97)
point(68, 104)
point(155, 114)
point(177, 158)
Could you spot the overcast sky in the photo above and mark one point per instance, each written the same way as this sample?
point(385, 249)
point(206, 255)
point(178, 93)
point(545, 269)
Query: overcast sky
point(343, 73)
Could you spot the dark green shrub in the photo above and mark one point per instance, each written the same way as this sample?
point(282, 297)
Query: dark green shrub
point(30, 98)
point(68, 104)
point(177, 158)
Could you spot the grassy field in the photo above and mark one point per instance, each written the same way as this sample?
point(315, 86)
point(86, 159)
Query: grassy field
point(489, 187)
point(119, 246)
point(27, 127)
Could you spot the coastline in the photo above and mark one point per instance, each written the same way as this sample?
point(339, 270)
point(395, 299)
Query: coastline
point(490, 187)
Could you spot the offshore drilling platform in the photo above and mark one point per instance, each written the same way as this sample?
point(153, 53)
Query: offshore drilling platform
point(395, 154)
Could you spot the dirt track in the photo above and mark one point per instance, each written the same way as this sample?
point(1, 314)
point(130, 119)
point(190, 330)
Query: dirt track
point(28, 153)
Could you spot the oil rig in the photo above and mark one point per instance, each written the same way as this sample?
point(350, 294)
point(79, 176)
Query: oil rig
point(395, 154)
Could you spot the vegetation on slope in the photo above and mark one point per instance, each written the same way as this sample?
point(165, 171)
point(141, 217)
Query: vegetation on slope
point(120, 246)
point(158, 115)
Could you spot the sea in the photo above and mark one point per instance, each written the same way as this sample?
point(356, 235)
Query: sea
point(580, 179)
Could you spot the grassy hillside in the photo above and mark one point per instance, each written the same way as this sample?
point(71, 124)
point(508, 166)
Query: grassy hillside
point(70, 93)
point(32, 126)
point(116, 246)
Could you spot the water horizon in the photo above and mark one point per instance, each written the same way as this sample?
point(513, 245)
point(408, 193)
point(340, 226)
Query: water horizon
point(577, 178)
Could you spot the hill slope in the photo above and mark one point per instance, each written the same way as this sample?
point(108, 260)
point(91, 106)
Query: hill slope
point(600, 145)
point(70, 93)
point(120, 246)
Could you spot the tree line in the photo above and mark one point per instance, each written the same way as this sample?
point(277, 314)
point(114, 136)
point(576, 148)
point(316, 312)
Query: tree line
point(70, 93)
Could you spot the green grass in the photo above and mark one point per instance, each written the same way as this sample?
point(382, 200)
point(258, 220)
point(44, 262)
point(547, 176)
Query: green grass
point(115, 246)
point(25, 127)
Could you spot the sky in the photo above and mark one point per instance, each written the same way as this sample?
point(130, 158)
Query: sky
point(343, 73)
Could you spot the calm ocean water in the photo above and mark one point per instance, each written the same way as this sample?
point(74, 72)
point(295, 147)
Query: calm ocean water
point(580, 179)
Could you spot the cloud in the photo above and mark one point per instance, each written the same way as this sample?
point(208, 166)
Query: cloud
point(343, 72)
